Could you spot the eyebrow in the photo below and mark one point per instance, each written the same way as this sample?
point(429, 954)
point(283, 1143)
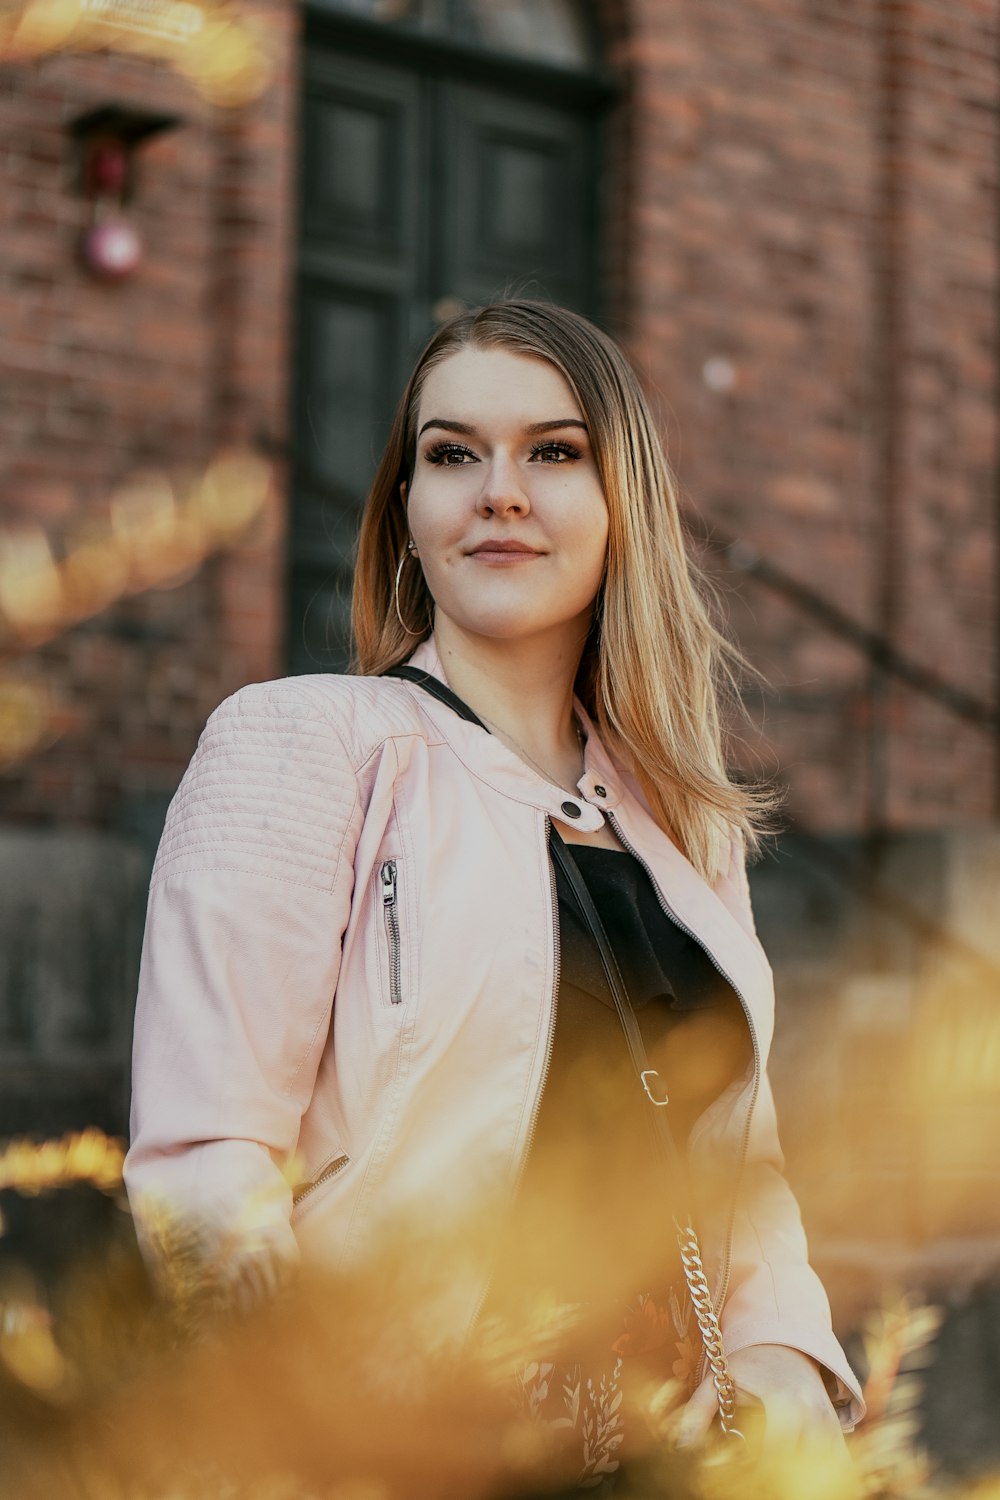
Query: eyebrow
point(533, 427)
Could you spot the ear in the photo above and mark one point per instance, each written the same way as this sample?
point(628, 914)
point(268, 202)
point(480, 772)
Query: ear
point(402, 491)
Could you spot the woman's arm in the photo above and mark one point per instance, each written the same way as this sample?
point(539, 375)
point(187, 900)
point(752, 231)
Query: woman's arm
point(776, 1323)
point(775, 1297)
point(249, 898)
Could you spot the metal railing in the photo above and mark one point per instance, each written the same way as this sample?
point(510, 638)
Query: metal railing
point(853, 872)
point(880, 651)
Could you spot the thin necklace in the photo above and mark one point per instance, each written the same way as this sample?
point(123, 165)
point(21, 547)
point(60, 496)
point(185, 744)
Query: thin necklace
point(540, 769)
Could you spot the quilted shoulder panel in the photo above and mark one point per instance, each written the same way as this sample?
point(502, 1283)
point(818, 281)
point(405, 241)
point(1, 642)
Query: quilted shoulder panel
point(367, 711)
point(270, 790)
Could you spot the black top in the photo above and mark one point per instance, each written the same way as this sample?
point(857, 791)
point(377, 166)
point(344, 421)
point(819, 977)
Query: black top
point(594, 1183)
point(667, 973)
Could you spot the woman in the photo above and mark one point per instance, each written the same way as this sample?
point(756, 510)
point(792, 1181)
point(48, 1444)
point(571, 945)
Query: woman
point(355, 925)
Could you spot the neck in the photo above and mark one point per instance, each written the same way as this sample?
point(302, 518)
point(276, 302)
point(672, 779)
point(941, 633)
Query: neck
point(522, 687)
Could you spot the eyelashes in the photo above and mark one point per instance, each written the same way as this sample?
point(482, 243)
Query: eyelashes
point(440, 453)
point(567, 449)
point(437, 453)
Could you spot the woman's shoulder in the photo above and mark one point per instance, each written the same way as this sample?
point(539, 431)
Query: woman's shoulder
point(275, 783)
point(358, 711)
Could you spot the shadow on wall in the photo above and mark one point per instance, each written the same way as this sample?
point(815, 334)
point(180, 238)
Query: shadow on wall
point(72, 905)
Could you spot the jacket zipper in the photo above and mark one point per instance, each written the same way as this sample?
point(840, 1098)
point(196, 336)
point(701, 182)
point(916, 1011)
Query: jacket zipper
point(548, 1058)
point(719, 1295)
point(391, 918)
point(330, 1170)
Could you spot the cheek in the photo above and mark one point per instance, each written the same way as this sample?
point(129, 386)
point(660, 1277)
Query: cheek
point(599, 559)
point(590, 528)
point(436, 521)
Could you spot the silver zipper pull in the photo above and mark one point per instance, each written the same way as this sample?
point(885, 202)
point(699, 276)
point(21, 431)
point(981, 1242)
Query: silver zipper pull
point(391, 919)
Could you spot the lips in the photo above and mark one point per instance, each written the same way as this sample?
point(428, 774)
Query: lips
point(516, 549)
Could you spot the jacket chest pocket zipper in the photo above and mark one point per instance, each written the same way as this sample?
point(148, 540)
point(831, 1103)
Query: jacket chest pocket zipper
point(390, 916)
point(330, 1170)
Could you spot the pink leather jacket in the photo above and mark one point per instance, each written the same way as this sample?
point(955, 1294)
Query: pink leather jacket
point(350, 955)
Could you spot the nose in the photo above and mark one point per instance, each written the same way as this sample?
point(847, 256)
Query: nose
point(503, 492)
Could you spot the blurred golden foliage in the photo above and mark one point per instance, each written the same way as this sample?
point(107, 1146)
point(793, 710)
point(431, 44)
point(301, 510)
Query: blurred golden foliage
point(897, 1118)
point(88, 1156)
point(30, 719)
point(951, 1082)
point(151, 536)
point(155, 532)
point(226, 53)
point(345, 1386)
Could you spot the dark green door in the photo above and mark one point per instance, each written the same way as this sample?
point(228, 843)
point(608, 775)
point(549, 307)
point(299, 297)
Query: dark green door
point(433, 175)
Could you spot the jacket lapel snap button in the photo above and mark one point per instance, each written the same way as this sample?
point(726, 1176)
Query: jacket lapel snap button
point(571, 810)
point(600, 791)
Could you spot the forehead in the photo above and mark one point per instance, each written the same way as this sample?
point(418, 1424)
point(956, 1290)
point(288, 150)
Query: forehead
point(492, 386)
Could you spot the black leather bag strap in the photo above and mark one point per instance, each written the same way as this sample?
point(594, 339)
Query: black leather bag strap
point(437, 689)
point(645, 1072)
point(698, 1287)
point(687, 1239)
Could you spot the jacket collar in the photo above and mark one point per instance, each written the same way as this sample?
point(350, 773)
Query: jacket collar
point(487, 756)
point(695, 903)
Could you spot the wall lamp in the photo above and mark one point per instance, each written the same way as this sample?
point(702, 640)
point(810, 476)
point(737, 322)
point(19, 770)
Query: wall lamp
point(106, 142)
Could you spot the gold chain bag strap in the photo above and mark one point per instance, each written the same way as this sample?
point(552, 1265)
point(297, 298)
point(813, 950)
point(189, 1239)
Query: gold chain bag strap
point(687, 1240)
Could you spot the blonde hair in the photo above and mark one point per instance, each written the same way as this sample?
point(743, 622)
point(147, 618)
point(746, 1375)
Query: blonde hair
point(655, 669)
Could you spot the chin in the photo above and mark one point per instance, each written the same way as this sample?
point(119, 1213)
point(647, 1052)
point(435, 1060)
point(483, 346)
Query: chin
point(505, 626)
point(512, 619)
point(505, 629)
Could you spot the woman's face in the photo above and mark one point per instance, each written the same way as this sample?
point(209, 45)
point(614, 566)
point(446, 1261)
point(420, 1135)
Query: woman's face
point(503, 461)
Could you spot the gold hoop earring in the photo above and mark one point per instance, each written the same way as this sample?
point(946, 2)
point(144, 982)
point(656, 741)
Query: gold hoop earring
point(410, 549)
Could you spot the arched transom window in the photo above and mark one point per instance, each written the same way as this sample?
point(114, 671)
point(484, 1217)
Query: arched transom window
point(551, 31)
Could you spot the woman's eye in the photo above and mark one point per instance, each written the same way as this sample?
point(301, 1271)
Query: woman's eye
point(457, 455)
point(449, 455)
point(555, 452)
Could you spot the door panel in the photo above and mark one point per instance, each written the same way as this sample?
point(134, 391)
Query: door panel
point(361, 150)
point(361, 236)
point(521, 179)
point(348, 343)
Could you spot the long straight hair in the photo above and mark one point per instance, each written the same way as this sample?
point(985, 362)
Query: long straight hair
point(655, 672)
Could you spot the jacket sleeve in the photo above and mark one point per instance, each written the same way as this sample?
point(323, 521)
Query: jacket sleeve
point(249, 897)
point(775, 1296)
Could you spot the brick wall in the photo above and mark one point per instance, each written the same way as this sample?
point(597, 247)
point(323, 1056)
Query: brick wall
point(814, 200)
point(160, 372)
point(945, 604)
point(807, 191)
